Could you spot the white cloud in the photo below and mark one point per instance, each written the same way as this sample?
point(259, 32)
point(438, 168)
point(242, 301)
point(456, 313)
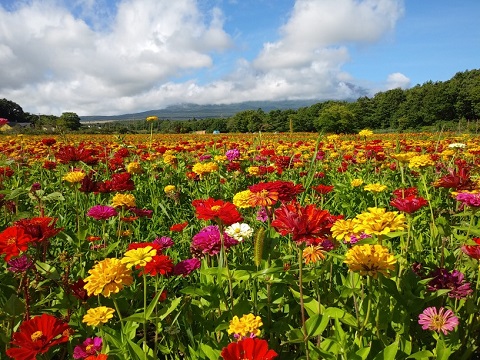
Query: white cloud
point(96, 60)
point(397, 80)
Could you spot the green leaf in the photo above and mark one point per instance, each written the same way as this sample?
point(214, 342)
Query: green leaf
point(152, 305)
point(425, 354)
point(388, 353)
point(47, 270)
point(163, 313)
point(363, 352)
point(135, 351)
point(341, 315)
point(211, 353)
point(55, 196)
point(14, 306)
point(316, 325)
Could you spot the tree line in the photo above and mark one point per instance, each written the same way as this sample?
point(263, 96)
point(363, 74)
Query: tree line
point(433, 105)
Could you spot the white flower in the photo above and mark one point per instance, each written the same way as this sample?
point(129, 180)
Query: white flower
point(239, 231)
point(457, 146)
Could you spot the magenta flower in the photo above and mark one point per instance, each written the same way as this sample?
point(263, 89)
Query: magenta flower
point(186, 267)
point(163, 242)
point(91, 346)
point(208, 241)
point(3, 121)
point(469, 199)
point(442, 320)
point(20, 264)
point(232, 154)
point(101, 212)
point(455, 280)
point(142, 212)
point(262, 214)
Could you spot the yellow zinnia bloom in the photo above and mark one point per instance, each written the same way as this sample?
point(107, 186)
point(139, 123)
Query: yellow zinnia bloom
point(343, 229)
point(365, 133)
point(134, 168)
point(247, 325)
point(74, 177)
point(242, 199)
point(169, 189)
point(169, 159)
point(152, 118)
point(204, 168)
point(420, 162)
point(378, 221)
point(98, 316)
point(123, 200)
point(139, 257)
point(375, 188)
point(370, 260)
point(253, 170)
point(106, 277)
point(356, 182)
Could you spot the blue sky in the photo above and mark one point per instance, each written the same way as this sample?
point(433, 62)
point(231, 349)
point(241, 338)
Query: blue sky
point(102, 57)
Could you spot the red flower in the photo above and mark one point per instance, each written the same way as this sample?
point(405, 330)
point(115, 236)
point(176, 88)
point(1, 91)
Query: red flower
point(458, 179)
point(472, 250)
point(13, 240)
point(323, 189)
point(48, 141)
point(37, 336)
point(306, 224)
point(39, 228)
point(217, 210)
point(78, 290)
point(160, 264)
point(248, 349)
point(134, 246)
point(403, 193)
point(409, 204)
point(179, 227)
point(97, 357)
point(284, 191)
point(70, 153)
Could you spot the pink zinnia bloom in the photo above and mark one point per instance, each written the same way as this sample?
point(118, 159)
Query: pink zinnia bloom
point(102, 212)
point(469, 199)
point(208, 241)
point(185, 267)
point(91, 346)
point(442, 320)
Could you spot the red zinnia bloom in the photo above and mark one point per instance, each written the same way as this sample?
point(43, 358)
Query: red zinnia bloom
point(13, 240)
point(306, 224)
point(217, 210)
point(284, 191)
point(134, 246)
point(248, 349)
point(409, 204)
point(97, 357)
point(49, 165)
point(458, 179)
point(39, 228)
point(403, 193)
point(70, 153)
point(48, 141)
point(78, 290)
point(179, 227)
point(323, 189)
point(160, 264)
point(37, 336)
point(472, 250)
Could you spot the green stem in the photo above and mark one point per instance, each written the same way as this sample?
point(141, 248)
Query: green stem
point(145, 314)
point(119, 316)
point(302, 305)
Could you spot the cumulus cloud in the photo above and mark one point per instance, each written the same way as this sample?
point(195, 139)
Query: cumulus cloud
point(397, 80)
point(85, 57)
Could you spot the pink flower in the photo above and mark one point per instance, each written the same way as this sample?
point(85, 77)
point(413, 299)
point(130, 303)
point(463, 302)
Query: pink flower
point(442, 320)
point(102, 212)
point(91, 346)
point(186, 267)
point(208, 241)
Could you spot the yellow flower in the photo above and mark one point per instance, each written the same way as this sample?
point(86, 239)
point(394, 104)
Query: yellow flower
point(420, 162)
point(74, 177)
point(204, 168)
point(169, 159)
point(123, 200)
point(98, 316)
point(343, 229)
point(378, 221)
point(152, 118)
point(313, 254)
point(106, 277)
point(134, 168)
point(365, 133)
point(247, 325)
point(253, 170)
point(333, 137)
point(370, 260)
point(242, 199)
point(220, 158)
point(139, 257)
point(404, 157)
point(169, 189)
point(375, 188)
point(356, 182)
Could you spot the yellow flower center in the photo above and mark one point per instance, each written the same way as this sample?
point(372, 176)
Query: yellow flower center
point(88, 348)
point(37, 335)
point(10, 241)
point(438, 321)
point(216, 208)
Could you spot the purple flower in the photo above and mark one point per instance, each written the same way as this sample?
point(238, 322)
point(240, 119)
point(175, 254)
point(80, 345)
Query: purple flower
point(442, 320)
point(20, 264)
point(232, 154)
point(35, 187)
point(443, 279)
point(205, 157)
point(142, 212)
point(185, 267)
point(101, 212)
point(207, 241)
point(262, 214)
point(91, 346)
point(164, 242)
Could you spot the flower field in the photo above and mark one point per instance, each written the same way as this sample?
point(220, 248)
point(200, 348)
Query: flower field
point(240, 246)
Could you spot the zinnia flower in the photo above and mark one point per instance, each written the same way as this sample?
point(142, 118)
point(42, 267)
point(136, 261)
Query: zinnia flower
point(107, 276)
point(97, 357)
point(239, 231)
point(469, 199)
point(217, 210)
point(160, 264)
point(248, 349)
point(163, 242)
point(169, 189)
point(312, 254)
point(409, 204)
point(186, 267)
point(343, 229)
point(39, 228)
point(152, 118)
point(20, 264)
point(13, 241)
point(232, 154)
point(74, 177)
point(208, 241)
point(375, 188)
point(36, 336)
point(91, 346)
point(378, 221)
point(472, 250)
point(123, 200)
point(139, 257)
point(179, 227)
point(356, 182)
point(365, 133)
point(370, 260)
point(443, 279)
point(246, 326)
point(438, 320)
point(242, 199)
point(307, 224)
point(420, 162)
point(101, 212)
point(98, 316)
point(134, 168)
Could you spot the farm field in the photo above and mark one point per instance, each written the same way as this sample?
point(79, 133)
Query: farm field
point(240, 246)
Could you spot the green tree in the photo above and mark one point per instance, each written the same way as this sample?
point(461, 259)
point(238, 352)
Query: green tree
point(69, 121)
point(11, 111)
point(336, 118)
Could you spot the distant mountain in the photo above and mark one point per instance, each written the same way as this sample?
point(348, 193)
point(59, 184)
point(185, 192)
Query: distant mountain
point(190, 111)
